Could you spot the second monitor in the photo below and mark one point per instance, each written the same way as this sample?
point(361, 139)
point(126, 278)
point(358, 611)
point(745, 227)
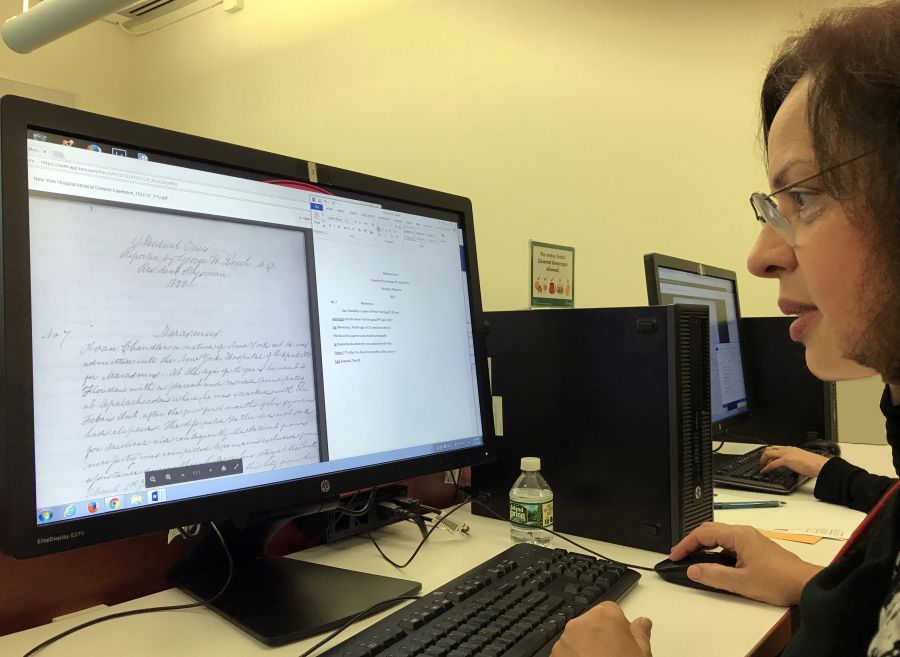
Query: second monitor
point(673, 280)
point(761, 389)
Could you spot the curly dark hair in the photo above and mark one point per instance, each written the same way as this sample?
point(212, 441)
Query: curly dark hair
point(852, 57)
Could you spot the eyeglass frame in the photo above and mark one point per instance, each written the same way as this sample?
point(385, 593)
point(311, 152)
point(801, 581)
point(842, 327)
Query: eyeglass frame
point(767, 212)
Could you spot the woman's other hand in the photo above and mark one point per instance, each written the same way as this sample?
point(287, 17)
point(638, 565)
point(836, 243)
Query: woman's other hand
point(799, 460)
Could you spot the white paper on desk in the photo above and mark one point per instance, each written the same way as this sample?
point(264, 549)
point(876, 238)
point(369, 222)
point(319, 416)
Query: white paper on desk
point(824, 532)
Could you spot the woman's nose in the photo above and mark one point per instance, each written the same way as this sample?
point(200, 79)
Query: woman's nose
point(771, 255)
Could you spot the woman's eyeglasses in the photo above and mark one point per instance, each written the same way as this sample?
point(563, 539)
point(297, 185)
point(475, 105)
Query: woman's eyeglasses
point(795, 204)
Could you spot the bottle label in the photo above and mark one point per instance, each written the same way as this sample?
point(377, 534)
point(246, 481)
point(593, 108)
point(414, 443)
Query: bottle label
point(531, 515)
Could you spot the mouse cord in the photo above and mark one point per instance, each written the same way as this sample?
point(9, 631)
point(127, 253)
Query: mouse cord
point(567, 539)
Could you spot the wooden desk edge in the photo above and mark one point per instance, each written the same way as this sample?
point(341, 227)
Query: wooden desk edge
point(777, 637)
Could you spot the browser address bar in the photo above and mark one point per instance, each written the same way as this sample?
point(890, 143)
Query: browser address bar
point(75, 173)
point(114, 174)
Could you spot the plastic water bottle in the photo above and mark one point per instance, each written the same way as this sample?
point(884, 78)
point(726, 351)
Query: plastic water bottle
point(530, 505)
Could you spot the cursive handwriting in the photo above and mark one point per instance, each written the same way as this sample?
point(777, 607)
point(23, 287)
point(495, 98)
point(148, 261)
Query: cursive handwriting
point(188, 395)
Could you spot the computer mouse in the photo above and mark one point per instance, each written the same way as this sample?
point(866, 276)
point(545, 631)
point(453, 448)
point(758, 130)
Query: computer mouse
point(823, 447)
point(676, 571)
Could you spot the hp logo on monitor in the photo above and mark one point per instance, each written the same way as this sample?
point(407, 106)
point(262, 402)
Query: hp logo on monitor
point(325, 485)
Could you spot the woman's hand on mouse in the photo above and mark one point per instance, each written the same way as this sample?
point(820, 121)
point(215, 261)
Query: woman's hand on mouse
point(799, 460)
point(764, 571)
point(604, 632)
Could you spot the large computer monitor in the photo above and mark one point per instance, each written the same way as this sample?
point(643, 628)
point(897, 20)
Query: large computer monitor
point(196, 331)
point(673, 280)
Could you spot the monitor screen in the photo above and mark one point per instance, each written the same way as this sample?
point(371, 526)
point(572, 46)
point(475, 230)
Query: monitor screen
point(193, 328)
point(671, 280)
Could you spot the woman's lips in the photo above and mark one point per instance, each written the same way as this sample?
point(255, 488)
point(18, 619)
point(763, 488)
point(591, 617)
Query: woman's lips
point(800, 326)
point(807, 314)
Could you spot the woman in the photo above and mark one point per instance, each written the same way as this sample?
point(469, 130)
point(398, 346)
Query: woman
point(831, 118)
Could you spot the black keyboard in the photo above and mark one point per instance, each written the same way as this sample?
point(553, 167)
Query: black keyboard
point(513, 605)
point(743, 472)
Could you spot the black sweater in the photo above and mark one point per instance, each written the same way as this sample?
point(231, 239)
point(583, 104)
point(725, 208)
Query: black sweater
point(846, 604)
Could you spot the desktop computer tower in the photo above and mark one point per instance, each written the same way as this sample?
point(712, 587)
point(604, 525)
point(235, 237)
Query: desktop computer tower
point(788, 404)
point(615, 402)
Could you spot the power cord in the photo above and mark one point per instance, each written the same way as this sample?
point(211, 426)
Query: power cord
point(146, 610)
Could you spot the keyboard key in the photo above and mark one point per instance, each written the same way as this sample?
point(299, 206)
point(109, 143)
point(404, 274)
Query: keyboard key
point(527, 646)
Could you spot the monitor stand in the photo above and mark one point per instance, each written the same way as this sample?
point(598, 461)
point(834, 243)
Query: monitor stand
point(277, 600)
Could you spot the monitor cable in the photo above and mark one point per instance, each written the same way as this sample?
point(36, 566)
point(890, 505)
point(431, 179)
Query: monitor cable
point(348, 509)
point(437, 523)
point(455, 476)
point(146, 610)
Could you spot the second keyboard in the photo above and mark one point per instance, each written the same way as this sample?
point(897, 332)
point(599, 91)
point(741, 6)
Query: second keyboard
point(744, 472)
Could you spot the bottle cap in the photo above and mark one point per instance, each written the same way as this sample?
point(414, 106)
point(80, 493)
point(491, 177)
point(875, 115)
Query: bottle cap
point(531, 463)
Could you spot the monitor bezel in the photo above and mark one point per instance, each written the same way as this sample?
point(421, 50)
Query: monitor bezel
point(20, 535)
point(652, 263)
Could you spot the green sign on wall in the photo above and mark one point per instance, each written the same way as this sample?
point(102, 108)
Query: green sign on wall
point(552, 275)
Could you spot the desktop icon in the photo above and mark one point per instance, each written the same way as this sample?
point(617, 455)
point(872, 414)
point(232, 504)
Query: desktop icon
point(113, 503)
point(39, 136)
point(70, 511)
point(93, 507)
point(68, 142)
point(156, 495)
point(143, 157)
point(45, 515)
point(121, 152)
point(93, 147)
point(137, 500)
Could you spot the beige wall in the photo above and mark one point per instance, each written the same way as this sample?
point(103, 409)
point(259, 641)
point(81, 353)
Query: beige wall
point(858, 419)
point(615, 127)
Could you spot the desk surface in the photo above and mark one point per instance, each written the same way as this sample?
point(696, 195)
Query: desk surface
point(711, 624)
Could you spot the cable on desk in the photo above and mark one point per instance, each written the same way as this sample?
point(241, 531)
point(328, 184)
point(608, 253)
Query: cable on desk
point(565, 538)
point(455, 475)
point(375, 607)
point(430, 531)
point(146, 610)
point(348, 511)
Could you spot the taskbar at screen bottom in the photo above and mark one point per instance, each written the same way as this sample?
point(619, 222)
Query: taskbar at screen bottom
point(188, 482)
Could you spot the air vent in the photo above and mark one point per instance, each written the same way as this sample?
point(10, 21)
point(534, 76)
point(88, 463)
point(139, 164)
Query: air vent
point(149, 15)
